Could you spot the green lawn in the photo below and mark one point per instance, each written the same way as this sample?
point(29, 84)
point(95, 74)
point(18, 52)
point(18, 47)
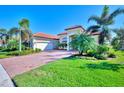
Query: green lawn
point(4, 55)
point(76, 72)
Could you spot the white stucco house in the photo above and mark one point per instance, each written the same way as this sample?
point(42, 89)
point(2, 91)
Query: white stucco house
point(50, 42)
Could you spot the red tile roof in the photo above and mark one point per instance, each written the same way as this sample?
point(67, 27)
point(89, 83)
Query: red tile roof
point(63, 33)
point(73, 27)
point(95, 33)
point(45, 35)
point(69, 28)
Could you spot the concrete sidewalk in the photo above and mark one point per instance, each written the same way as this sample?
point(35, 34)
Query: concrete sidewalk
point(5, 80)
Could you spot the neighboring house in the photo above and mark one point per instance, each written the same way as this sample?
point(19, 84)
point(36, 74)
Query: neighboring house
point(1, 43)
point(45, 41)
point(68, 35)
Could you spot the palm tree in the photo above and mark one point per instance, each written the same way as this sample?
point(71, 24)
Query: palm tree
point(25, 33)
point(13, 32)
point(106, 19)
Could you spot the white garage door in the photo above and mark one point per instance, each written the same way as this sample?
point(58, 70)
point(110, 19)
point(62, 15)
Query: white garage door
point(44, 45)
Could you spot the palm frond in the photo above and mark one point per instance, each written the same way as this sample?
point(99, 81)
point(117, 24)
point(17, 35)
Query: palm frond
point(13, 30)
point(3, 31)
point(24, 23)
point(105, 11)
point(95, 18)
point(109, 22)
point(92, 28)
point(115, 13)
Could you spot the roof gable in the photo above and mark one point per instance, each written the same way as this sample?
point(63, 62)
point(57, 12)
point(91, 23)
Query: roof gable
point(74, 27)
point(43, 35)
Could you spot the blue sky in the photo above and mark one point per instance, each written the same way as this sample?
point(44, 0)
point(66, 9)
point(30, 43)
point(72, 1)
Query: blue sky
point(52, 19)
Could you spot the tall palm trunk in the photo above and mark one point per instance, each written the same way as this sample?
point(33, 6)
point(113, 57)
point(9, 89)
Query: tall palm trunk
point(20, 42)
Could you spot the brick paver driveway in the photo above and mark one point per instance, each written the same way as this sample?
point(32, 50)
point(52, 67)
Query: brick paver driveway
point(21, 64)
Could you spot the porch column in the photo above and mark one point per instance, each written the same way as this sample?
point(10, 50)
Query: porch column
point(68, 40)
point(122, 45)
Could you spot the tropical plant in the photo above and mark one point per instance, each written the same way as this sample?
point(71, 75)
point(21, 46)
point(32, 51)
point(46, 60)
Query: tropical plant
point(83, 43)
point(118, 41)
point(103, 22)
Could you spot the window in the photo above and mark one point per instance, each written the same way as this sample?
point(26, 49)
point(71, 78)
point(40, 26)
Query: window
point(64, 39)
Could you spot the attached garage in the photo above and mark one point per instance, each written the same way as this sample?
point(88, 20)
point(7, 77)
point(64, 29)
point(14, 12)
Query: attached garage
point(44, 41)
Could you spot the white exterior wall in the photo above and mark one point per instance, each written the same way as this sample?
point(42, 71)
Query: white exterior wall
point(96, 38)
point(75, 31)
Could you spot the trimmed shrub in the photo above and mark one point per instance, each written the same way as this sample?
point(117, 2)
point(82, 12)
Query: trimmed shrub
point(111, 55)
point(37, 50)
point(91, 53)
point(23, 52)
point(62, 45)
point(100, 52)
point(1, 48)
point(26, 52)
point(13, 53)
point(101, 56)
point(102, 49)
point(8, 49)
point(3, 53)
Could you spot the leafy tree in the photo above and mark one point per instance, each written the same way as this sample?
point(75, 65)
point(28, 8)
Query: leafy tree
point(4, 36)
point(83, 43)
point(118, 41)
point(14, 32)
point(12, 44)
point(115, 43)
point(103, 22)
